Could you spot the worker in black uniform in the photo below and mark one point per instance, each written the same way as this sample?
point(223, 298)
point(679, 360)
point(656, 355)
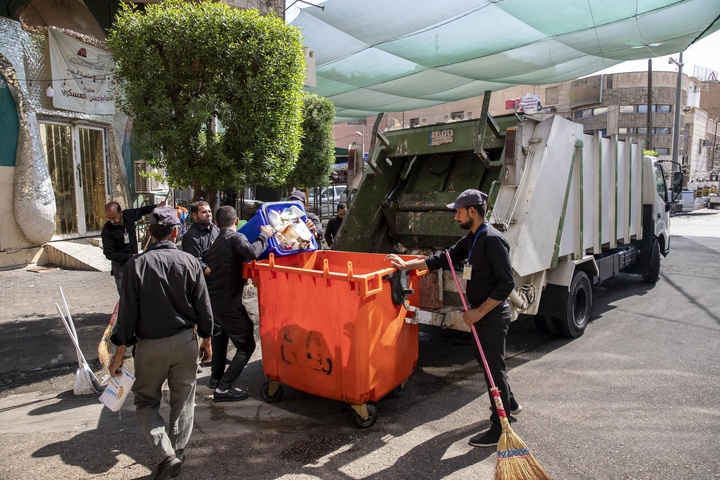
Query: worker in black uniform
point(313, 221)
point(485, 257)
point(164, 298)
point(333, 226)
point(119, 238)
point(226, 284)
point(201, 234)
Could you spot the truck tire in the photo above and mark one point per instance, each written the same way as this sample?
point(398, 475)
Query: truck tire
point(652, 269)
point(546, 324)
point(578, 306)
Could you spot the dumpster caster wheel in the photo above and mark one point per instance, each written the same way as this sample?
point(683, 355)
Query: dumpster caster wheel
point(275, 388)
point(372, 415)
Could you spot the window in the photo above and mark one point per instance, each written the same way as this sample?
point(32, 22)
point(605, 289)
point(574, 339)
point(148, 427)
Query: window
point(586, 113)
point(662, 151)
point(663, 108)
point(627, 108)
point(414, 122)
point(661, 130)
point(641, 130)
point(457, 115)
point(552, 95)
point(599, 111)
point(603, 132)
point(642, 108)
point(626, 130)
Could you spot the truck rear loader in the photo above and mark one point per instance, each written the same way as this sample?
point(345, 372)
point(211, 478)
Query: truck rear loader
point(576, 209)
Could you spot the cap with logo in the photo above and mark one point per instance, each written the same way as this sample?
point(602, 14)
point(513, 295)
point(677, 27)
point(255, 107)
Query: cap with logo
point(468, 198)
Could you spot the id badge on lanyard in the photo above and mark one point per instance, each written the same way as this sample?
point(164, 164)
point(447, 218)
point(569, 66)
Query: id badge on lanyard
point(467, 272)
point(126, 237)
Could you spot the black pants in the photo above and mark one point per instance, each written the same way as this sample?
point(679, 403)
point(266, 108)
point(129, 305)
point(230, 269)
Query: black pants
point(492, 330)
point(238, 328)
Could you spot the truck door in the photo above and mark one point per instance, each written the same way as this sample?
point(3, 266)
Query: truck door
point(662, 218)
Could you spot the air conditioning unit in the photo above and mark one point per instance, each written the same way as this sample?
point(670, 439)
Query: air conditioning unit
point(145, 184)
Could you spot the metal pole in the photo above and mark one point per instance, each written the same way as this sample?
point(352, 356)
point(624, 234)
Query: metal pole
point(648, 141)
point(678, 97)
point(714, 147)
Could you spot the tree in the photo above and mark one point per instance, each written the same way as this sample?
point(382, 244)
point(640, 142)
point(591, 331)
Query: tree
point(651, 153)
point(317, 154)
point(183, 67)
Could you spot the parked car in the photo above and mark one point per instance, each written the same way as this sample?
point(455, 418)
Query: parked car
point(326, 203)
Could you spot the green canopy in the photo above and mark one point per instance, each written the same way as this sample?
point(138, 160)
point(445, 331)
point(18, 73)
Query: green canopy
point(386, 56)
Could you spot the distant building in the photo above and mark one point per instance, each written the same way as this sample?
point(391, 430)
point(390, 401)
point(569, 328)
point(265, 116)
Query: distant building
point(611, 104)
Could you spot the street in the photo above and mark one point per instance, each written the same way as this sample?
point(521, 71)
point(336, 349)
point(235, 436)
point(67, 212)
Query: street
point(636, 397)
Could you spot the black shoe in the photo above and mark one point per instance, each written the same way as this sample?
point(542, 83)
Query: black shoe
point(213, 383)
point(231, 395)
point(170, 468)
point(488, 438)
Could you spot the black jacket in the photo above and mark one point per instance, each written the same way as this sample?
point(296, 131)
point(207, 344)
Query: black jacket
point(225, 259)
point(197, 241)
point(492, 275)
point(163, 293)
point(113, 236)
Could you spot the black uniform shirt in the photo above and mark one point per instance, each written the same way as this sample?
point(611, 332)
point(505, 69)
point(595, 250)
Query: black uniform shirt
point(225, 259)
point(333, 227)
point(113, 236)
point(197, 241)
point(163, 293)
point(490, 259)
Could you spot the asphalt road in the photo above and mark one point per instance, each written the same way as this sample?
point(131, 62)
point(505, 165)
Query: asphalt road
point(637, 397)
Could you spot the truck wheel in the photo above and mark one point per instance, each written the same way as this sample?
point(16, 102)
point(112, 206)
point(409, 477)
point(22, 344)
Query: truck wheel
point(578, 307)
point(653, 268)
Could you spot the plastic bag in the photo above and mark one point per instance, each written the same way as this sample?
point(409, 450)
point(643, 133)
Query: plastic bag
point(117, 390)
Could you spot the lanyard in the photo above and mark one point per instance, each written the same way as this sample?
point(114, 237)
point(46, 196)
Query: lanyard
point(482, 229)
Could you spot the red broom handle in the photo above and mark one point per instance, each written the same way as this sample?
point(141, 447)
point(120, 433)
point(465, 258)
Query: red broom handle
point(465, 307)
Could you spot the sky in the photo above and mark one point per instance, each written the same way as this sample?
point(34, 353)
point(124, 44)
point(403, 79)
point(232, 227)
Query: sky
point(704, 53)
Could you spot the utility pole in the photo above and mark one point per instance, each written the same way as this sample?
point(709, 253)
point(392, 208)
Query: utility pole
point(678, 98)
point(714, 147)
point(648, 139)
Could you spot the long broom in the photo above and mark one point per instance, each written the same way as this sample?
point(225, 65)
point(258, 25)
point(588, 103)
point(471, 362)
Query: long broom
point(514, 460)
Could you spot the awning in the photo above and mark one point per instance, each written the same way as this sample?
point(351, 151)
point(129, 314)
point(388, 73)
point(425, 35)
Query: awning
point(381, 56)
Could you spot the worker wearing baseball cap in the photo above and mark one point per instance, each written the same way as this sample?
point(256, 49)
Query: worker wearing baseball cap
point(485, 257)
point(163, 299)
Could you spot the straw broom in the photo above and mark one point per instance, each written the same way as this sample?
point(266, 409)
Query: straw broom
point(104, 346)
point(514, 460)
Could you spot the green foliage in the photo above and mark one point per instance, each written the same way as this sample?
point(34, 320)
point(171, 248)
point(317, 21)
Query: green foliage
point(317, 154)
point(181, 65)
point(651, 153)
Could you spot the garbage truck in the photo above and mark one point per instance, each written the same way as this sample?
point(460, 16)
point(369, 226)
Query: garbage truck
point(576, 209)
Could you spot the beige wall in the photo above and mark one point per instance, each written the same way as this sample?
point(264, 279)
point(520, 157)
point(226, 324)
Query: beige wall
point(14, 247)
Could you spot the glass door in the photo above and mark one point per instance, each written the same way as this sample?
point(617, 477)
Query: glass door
point(76, 161)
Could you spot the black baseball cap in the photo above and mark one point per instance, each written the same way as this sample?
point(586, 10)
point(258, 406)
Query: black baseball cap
point(164, 216)
point(468, 198)
point(297, 195)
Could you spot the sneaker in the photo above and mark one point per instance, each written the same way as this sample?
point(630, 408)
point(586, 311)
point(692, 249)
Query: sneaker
point(170, 468)
point(515, 408)
point(488, 438)
point(199, 369)
point(230, 395)
point(213, 383)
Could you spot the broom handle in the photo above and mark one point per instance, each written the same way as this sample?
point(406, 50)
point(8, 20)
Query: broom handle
point(465, 307)
point(71, 325)
point(81, 357)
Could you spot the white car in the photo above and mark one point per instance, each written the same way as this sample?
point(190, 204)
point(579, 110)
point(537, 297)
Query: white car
point(328, 200)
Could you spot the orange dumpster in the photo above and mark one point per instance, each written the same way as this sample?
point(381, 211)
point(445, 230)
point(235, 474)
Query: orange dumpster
point(331, 326)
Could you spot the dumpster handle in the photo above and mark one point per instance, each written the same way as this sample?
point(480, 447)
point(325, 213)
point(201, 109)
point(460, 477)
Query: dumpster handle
point(363, 281)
